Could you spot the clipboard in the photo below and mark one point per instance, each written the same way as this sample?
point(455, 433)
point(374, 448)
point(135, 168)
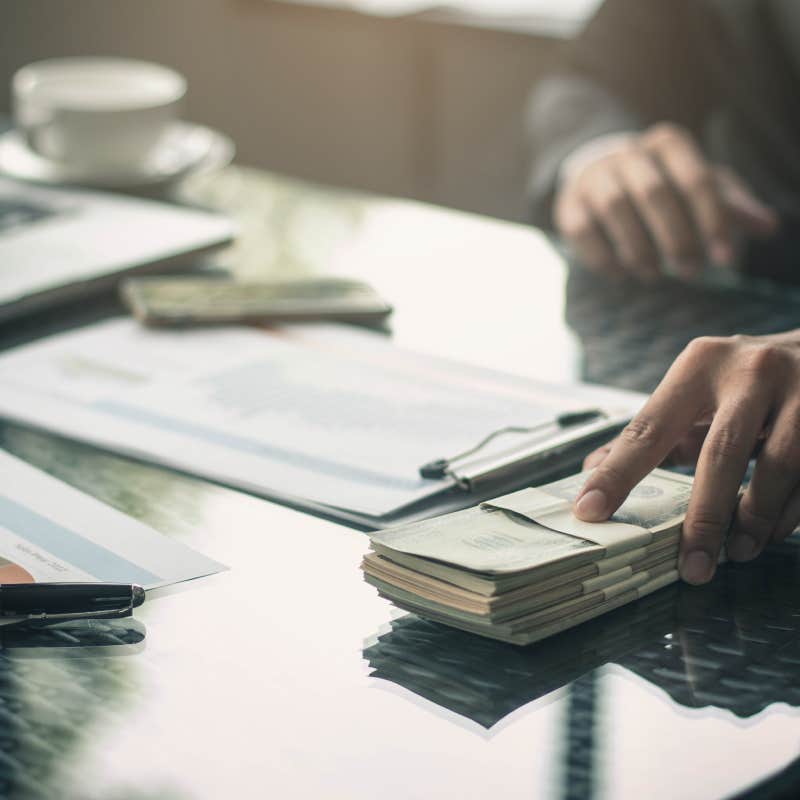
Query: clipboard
point(324, 418)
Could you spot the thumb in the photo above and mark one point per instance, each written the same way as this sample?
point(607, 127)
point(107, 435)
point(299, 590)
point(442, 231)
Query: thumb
point(747, 210)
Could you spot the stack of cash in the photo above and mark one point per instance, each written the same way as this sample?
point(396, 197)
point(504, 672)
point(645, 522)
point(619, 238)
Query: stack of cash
point(522, 567)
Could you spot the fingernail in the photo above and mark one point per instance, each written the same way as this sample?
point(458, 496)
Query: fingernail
point(721, 253)
point(593, 506)
point(742, 547)
point(697, 567)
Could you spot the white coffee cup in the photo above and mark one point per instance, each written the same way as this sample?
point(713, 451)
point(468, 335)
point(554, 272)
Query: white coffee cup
point(104, 114)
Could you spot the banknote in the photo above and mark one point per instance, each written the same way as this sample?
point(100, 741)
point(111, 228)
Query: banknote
point(489, 585)
point(522, 567)
point(485, 540)
point(536, 595)
point(507, 535)
point(562, 619)
point(657, 500)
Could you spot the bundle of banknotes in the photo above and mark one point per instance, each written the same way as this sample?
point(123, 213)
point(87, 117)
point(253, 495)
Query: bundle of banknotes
point(522, 567)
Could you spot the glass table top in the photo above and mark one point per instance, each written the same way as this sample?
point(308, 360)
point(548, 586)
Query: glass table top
point(288, 676)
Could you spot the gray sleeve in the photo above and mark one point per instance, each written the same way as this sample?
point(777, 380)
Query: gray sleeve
point(564, 113)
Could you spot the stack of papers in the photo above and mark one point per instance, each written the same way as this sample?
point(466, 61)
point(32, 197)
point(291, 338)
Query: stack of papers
point(521, 567)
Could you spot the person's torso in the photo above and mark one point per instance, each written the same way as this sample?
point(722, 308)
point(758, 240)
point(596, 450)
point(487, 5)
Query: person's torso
point(756, 73)
point(755, 128)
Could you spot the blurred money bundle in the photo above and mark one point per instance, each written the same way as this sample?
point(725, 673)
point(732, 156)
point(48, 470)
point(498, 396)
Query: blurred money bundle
point(522, 567)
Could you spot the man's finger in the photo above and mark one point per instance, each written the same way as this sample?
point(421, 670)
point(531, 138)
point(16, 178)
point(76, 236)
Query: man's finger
point(659, 206)
point(646, 441)
point(577, 225)
point(612, 206)
point(775, 477)
point(684, 453)
point(687, 451)
point(697, 181)
point(747, 210)
point(720, 469)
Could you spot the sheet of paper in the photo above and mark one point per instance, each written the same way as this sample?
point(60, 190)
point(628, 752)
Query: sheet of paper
point(330, 414)
point(51, 532)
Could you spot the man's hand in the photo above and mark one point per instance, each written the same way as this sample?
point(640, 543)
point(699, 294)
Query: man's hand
point(655, 200)
point(723, 401)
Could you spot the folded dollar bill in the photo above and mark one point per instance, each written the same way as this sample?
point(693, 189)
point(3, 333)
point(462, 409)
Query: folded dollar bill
point(522, 567)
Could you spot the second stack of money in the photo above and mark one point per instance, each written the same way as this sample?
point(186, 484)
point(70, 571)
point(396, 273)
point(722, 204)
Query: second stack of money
point(521, 567)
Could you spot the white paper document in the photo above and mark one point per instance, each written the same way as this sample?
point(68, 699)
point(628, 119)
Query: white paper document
point(51, 532)
point(327, 415)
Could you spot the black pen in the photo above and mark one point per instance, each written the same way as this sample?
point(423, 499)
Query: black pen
point(61, 600)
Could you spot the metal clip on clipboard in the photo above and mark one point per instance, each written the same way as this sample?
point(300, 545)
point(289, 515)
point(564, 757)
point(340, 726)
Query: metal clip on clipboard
point(470, 468)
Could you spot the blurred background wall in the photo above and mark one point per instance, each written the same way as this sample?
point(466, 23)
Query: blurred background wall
point(426, 104)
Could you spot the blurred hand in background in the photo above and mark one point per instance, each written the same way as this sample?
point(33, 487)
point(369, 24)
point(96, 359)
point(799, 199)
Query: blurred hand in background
point(639, 205)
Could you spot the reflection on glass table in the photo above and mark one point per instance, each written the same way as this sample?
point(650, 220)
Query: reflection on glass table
point(734, 645)
point(629, 335)
point(57, 681)
point(78, 638)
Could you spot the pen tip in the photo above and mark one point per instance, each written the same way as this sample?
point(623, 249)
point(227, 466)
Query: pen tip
point(137, 595)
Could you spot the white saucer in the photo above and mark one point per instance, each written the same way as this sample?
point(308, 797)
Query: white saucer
point(186, 149)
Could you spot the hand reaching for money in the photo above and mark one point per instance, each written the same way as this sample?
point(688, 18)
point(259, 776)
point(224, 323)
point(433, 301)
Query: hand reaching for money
point(654, 200)
point(723, 402)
